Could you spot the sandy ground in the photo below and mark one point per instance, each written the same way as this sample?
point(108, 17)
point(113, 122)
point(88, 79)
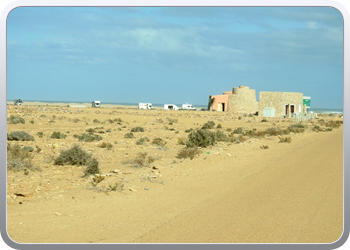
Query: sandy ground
point(230, 192)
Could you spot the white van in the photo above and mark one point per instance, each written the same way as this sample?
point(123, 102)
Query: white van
point(187, 106)
point(96, 104)
point(170, 107)
point(145, 106)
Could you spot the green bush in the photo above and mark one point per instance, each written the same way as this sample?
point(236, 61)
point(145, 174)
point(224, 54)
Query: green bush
point(138, 129)
point(14, 120)
point(90, 130)
point(73, 156)
point(40, 134)
point(20, 136)
point(129, 135)
point(219, 126)
point(28, 149)
point(208, 125)
point(142, 141)
point(88, 137)
point(96, 121)
point(201, 138)
point(92, 168)
point(58, 135)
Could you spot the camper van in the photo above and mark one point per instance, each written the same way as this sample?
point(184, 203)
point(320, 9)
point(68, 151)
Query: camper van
point(145, 106)
point(18, 102)
point(96, 104)
point(187, 106)
point(170, 107)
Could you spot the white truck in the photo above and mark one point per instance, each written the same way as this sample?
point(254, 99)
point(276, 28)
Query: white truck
point(145, 106)
point(187, 106)
point(96, 104)
point(170, 107)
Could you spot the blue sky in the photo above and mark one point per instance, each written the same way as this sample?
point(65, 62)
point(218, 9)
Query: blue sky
point(173, 55)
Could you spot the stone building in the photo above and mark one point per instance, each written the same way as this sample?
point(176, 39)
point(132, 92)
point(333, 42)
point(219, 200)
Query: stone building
point(281, 103)
point(271, 104)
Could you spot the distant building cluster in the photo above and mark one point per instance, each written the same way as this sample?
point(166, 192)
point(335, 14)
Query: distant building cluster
point(270, 104)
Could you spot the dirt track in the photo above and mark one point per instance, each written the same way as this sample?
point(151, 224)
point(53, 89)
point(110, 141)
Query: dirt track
point(296, 197)
point(291, 192)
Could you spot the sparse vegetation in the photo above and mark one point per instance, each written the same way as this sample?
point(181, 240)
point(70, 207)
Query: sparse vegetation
point(141, 160)
point(208, 125)
point(40, 134)
point(181, 141)
point(96, 121)
point(263, 120)
point(285, 139)
point(221, 136)
point(159, 142)
point(264, 147)
point(201, 138)
point(28, 149)
point(19, 159)
point(218, 126)
point(118, 186)
point(187, 153)
point(106, 145)
point(15, 120)
point(58, 135)
point(73, 156)
point(239, 130)
point(138, 129)
point(92, 168)
point(88, 137)
point(142, 141)
point(20, 136)
point(129, 135)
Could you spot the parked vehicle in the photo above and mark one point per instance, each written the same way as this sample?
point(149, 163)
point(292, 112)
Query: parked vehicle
point(96, 104)
point(170, 107)
point(18, 102)
point(145, 106)
point(187, 106)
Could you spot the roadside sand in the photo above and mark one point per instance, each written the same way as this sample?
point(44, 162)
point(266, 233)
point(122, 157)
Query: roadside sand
point(231, 192)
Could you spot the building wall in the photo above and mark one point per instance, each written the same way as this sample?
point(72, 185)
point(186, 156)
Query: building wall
point(278, 100)
point(220, 99)
point(242, 100)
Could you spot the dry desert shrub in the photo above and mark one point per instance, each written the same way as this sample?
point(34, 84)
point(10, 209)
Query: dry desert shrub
point(58, 135)
point(208, 125)
point(96, 121)
point(171, 120)
point(201, 138)
point(129, 135)
point(88, 137)
point(106, 145)
point(286, 139)
point(218, 126)
point(189, 130)
point(14, 120)
point(159, 142)
point(73, 156)
point(20, 136)
point(181, 141)
point(19, 159)
point(141, 160)
point(142, 141)
point(91, 168)
point(296, 128)
point(221, 136)
point(264, 147)
point(187, 153)
point(239, 130)
point(138, 129)
point(118, 186)
point(40, 134)
point(28, 149)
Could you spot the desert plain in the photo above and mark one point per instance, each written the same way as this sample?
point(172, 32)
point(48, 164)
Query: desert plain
point(247, 187)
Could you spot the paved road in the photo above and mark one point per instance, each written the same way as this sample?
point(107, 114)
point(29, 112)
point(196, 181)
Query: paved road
point(297, 197)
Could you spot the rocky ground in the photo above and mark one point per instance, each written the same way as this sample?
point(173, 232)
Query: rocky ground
point(58, 195)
